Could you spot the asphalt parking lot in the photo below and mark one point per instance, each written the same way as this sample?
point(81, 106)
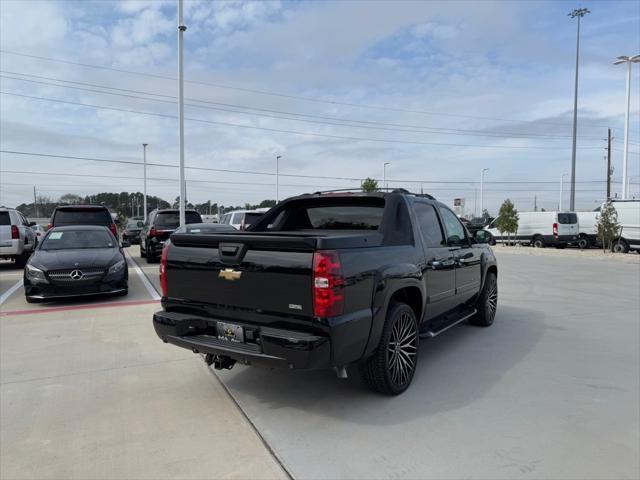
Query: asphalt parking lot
point(551, 390)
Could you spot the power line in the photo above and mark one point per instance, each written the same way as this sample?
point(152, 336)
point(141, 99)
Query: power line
point(327, 120)
point(323, 177)
point(293, 132)
point(282, 95)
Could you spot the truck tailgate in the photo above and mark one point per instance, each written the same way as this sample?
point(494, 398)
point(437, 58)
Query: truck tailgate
point(266, 273)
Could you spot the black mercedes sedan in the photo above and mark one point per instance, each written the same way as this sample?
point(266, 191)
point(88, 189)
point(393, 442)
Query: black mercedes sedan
point(78, 260)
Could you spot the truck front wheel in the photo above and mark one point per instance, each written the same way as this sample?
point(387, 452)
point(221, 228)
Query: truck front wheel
point(391, 368)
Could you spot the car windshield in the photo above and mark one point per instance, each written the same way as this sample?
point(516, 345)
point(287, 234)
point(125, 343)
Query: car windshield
point(171, 220)
point(77, 239)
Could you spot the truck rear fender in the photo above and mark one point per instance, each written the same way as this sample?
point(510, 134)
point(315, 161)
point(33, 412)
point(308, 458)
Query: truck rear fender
point(400, 282)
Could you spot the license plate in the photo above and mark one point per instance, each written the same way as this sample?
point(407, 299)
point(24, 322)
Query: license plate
point(230, 332)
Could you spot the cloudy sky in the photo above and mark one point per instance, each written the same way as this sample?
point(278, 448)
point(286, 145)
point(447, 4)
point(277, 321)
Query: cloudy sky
point(440, 90)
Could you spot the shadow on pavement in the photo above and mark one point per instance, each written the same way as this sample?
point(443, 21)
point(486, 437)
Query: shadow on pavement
point(454, 370)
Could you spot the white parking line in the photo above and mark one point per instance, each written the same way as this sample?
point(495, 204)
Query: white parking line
point(147, 284)
point(9, 292)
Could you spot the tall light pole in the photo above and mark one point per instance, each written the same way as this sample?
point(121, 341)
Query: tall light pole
point(384, 175)
point(482, 192)
point(278, 157)
point(181, 30)
point(625, 155)
point(577, 13)
point(144, 157)
point(561, 191)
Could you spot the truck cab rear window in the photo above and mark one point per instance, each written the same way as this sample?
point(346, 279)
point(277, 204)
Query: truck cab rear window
point(345, 217)
point(82, 217)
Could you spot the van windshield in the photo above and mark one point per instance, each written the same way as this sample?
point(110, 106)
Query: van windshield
point(567, 218)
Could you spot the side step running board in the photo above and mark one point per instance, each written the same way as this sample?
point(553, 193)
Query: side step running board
point(466, 314)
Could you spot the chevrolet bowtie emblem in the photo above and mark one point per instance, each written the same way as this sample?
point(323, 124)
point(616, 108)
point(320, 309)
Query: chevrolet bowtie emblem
point(229, 274)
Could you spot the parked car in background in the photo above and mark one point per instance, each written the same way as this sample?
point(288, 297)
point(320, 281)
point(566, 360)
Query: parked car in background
point(540, 229)
point(241, 219)
point(132, 230)
point(629, 220)
point(159, 226)
point(74, 261)
point(328, 280)
point(67, 215)
point(39, 230)
point(17, 238)
point(203, 228)
point(588, 229)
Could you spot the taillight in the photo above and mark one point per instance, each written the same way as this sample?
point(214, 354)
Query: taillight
point(163, 270)
point(555, 229)
point(328, 284)
point(113, 229)
point(49, 226)
point(15, 233)
point(152, 232)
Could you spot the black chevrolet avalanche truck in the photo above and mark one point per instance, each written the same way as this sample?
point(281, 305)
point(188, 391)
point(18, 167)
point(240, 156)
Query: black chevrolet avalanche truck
point(328, 280)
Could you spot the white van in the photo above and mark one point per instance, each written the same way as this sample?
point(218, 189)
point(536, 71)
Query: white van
point(629, 220)
point(241, 219)
point(541, 229)
point(588, 231)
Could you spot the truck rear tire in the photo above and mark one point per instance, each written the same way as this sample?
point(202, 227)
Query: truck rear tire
point(391, 368)
point(487, 303)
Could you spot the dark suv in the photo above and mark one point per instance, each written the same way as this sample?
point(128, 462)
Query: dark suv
point(83, 215)
point(159, 226)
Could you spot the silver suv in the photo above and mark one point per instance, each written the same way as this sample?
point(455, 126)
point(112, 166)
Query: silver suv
point(17, 239)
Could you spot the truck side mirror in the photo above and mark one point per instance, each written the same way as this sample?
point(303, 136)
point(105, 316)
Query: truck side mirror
point(481, 236)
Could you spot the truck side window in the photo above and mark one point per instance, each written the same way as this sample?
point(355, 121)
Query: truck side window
point(429, 224)
point(455, 231)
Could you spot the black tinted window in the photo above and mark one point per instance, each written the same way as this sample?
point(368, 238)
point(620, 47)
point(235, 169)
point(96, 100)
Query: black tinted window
point(171, 220)
point(567, 218)
point(429, 224)
point(455, 230)
point(249, 218)
point(73, 239)
point(345, 217)
point(82, 217)
point(5, 219)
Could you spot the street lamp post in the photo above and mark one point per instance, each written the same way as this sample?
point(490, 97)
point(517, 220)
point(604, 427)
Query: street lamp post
point(577, 13)
point(625, 155)
point(482, 192)
point(144, 155)
point(561, 191)
point(384, 175)
point(278, 157)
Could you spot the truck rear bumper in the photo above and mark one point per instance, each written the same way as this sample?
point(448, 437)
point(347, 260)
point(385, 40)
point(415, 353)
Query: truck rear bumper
point(264, 346)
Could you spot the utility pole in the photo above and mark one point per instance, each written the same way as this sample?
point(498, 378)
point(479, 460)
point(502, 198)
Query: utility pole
point(181, 30)
point(625, 155)
point(561, 191)
point(144, 153)
point(609, 165)
point(577, 13)
point(35, 201)
point(535, 203)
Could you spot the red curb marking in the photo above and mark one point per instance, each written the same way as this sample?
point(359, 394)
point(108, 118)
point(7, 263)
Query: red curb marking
point(78, 307)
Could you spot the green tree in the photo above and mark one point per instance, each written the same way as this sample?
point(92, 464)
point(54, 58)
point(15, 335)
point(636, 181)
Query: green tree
point(370, 185)
point(608, 226)
point(507, 219)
